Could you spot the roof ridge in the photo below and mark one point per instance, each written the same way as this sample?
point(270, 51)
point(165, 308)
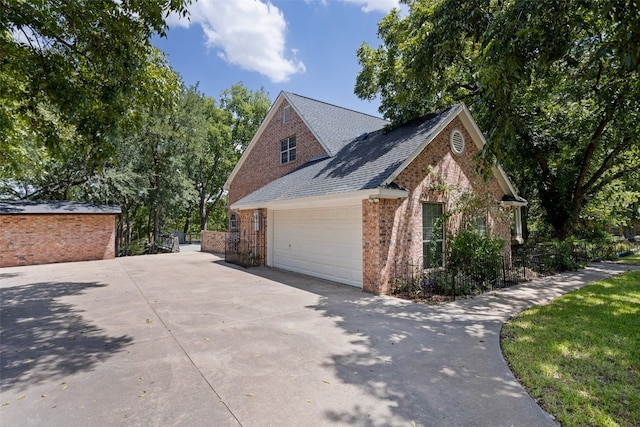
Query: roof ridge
point(333, 105)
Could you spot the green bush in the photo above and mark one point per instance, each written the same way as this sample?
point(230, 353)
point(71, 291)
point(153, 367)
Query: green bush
point(136, 247)
point(477, 255)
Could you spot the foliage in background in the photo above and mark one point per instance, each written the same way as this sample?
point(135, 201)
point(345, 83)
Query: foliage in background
point(91, 111)
point(224, 132)
point(555, 85)
point(563, 258)
point(69, 72)
point(182, 151)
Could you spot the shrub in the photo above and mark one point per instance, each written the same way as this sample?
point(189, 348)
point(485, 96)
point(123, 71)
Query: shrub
point(476, 255)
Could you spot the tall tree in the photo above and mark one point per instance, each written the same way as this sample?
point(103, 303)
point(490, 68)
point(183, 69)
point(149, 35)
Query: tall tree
point(248, 109)
point(222, 133)
point(147, 174)
point(211, 149)
point(162, 140)
point(72, 64)
point(555, 85)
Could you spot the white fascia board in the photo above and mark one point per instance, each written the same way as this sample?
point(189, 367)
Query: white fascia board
point(478, 139)
point(514, 203)
point(503, 180)
point(272, 111)
point(443, 124)
point(327, 200)
point(472, 127)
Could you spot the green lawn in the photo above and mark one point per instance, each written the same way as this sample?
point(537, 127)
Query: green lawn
point(579, 356)
point(631, 259)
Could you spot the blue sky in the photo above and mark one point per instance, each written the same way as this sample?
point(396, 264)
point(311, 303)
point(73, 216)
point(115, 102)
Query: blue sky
point(302, 46)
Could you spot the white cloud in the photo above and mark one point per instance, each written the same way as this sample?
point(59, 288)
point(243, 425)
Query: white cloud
point(384, 6)
point(247, 33)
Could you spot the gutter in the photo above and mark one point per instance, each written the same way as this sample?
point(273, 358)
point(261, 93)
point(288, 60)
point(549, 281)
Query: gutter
point(336, 199)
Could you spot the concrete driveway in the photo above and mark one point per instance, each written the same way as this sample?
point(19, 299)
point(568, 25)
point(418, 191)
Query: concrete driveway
point(185, 339)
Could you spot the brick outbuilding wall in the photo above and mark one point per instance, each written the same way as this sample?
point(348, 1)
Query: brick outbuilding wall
point(28, 238)
point(44, 239)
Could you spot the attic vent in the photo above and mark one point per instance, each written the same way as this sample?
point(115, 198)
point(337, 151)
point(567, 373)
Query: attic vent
point(286, 114)
point(362, 136)
point(457, 141)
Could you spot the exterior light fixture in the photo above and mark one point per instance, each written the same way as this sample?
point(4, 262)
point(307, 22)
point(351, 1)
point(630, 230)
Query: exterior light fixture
point(256, 220)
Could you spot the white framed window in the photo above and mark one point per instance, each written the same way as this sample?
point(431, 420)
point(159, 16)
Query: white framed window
point(457, 141)
point(288, 150)
point(432, 235)
point(479, 222)
point(286, 114)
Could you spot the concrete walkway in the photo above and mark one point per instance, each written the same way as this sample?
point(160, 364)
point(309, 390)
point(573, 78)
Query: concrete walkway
point(185, 339)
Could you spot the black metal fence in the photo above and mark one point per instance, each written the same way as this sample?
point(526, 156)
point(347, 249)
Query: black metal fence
point(245, 244)
point(525, 263)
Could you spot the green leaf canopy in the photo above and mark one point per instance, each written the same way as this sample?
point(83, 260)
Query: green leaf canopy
point(555, 86)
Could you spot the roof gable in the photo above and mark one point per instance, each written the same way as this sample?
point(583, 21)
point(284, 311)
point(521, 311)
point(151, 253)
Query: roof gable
point(371, 162)
point(331, 125)
point(363, 164)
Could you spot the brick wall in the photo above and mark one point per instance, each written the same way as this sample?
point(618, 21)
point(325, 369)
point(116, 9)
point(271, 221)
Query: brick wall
point(212, 241)
point(379, 243)
point(392, 229)
point(50, 238)
point(262, 165)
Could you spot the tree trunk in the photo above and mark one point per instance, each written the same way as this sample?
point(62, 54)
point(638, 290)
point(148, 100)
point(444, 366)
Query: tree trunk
point(524, 211)
point(563, 217)
point(204, 216)
point(158, 204)
point(156, 223)
point(119, 232)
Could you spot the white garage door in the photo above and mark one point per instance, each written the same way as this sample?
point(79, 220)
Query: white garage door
point(322, 242)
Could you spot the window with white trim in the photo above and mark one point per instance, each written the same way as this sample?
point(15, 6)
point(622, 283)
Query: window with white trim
point(432, 235)
point(288, 150)
point(479, 222)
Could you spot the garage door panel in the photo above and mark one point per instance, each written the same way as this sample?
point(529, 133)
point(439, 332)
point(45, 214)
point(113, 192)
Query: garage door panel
point(321, 242)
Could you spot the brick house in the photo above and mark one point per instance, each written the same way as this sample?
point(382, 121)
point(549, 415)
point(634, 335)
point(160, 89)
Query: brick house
point(341, 195)
point(46, 232)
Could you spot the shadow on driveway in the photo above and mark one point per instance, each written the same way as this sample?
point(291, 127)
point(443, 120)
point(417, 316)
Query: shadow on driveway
point(421, 362)
point(44, 338)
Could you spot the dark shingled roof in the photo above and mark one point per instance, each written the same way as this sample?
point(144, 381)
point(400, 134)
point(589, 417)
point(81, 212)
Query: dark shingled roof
point(334, 126)
point(362, 164)
point(55, 207)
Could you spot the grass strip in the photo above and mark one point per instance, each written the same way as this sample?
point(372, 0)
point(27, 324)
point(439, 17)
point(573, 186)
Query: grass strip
point(631, 259)
point(579, 356)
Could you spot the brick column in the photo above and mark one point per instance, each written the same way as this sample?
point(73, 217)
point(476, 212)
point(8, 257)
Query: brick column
point(378, 223)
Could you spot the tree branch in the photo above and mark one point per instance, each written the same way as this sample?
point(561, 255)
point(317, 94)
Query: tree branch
point(580, 187)
point(596, 188)
point(606, 165)
point(540, 158)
